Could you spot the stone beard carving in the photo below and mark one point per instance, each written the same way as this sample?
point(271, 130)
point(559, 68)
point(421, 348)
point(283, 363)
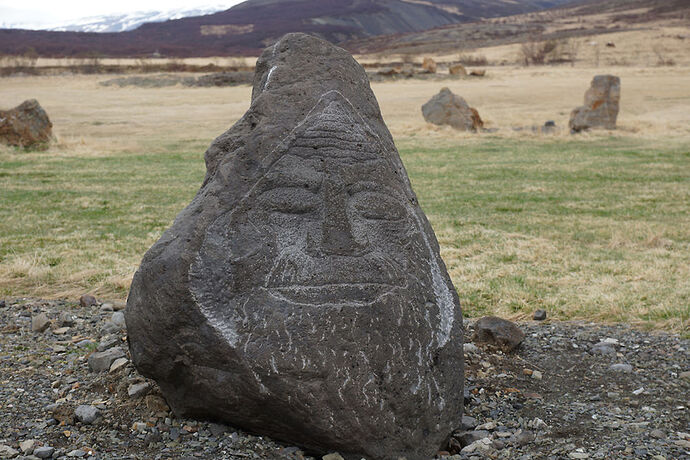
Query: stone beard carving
point(301, 294)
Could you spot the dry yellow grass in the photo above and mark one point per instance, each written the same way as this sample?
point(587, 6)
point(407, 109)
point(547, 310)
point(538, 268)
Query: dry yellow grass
point(655, 102)
point(636, 270)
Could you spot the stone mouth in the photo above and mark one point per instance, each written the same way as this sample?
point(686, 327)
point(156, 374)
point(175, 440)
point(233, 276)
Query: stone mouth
point(332, 294)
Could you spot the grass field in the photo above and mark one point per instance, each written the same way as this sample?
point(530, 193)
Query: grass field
point(594, 226)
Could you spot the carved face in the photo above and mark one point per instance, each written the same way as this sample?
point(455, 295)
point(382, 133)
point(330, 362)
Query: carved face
point(328, 225)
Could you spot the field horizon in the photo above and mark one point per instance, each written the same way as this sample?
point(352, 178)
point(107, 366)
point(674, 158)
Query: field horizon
point(593, 226)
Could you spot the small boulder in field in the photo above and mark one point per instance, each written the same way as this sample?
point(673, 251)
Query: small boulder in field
point(601, 107)
point(447, 108)
point(478, 73)
point(457, 69)
point(26, 125)
point(87, 300)
point(539, 315)
point(498, 332)
point(429, 65)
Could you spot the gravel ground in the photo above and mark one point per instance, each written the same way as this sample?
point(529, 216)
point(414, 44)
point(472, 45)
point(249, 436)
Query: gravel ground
point(572, 390)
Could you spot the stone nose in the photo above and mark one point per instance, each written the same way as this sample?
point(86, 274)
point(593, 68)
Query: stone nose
point(336, 230)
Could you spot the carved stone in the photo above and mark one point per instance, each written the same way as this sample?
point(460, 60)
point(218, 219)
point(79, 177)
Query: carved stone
point(301, 294)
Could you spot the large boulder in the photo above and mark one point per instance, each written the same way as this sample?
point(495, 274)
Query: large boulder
point(602, 101)
point(26, 125)
point(301, 294)
point(447, 108)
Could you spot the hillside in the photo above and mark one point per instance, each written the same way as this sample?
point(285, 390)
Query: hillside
point(247, 28)
point(582, 18)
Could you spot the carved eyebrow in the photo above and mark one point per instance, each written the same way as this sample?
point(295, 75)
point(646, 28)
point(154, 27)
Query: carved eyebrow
point(292, 172)
point(293, 180)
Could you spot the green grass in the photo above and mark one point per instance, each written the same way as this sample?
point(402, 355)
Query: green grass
point(593, 228)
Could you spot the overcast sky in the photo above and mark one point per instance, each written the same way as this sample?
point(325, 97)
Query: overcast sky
point(47, 12)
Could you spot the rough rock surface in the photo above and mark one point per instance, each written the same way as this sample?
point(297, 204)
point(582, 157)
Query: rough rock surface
point(26, 125)
point(301, 294)
point(447, 108)
point(601, 105)
point(498, 332)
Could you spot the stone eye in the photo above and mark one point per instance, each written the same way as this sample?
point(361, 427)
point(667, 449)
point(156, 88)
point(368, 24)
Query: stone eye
point(290, 200)
point(377, 206)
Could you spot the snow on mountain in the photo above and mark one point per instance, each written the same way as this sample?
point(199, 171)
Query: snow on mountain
point(122, 22)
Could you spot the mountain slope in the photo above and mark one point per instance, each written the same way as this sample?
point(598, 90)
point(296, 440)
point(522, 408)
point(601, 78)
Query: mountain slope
point(120, 22)
point(250, 26)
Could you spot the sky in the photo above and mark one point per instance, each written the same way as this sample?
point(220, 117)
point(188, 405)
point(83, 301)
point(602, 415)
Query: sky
point(45, 13)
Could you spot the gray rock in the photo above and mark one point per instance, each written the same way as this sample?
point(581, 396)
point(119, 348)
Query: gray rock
point(118, 364)
point(524, 437)
point(84, 343)
point(86, 414)
point(110, 328)
point(468, 437)
point(470, 348)
point(539, 315)
point(498, 332)
point(27, 446)
point(333, 456)
point(602, 101)
point(621, 367)
point(40, 323)
point(138, 390)
point(78, 453)
point(101, 360)
point(602, 348)
point(118, 319)
point(217, 429)
point(44, 452)
point(87, 300)
point(447, 108)
point(66, 319)
point(468, 423)
point(304, 276)
point(8, 452)
point(108, 342)
point(657, 434)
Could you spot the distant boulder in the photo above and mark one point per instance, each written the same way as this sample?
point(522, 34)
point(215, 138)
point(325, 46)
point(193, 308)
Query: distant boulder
point(429, 65)
point(457, 69)
point(478, 73)
point(26, 125)
point(601, 107)
point(447, 108)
